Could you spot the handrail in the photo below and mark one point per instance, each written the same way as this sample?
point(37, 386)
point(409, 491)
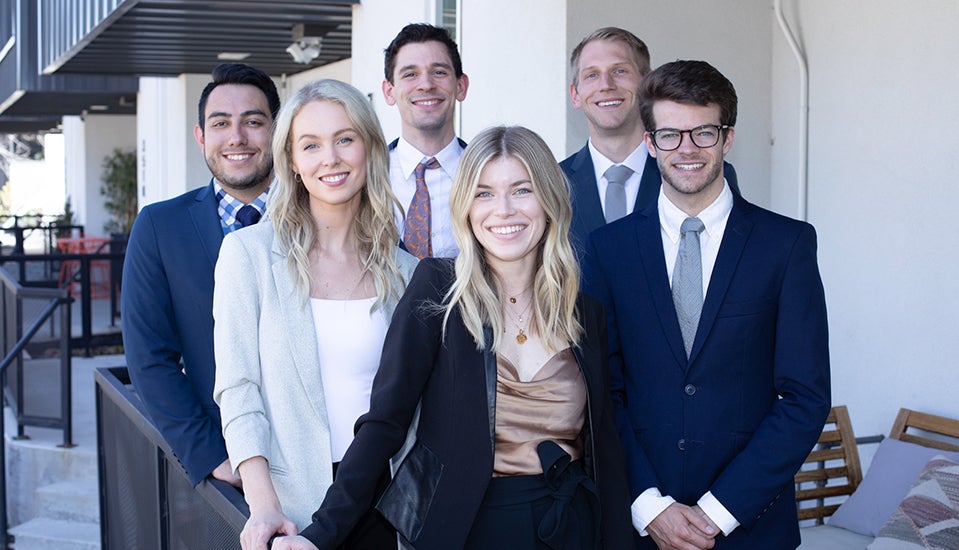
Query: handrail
point(65, 390)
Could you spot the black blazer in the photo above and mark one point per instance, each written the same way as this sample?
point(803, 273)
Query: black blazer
point(587, 208)
point(456, 386)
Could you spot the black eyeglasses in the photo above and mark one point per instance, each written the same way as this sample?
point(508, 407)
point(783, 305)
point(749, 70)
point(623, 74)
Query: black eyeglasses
point(704, 137)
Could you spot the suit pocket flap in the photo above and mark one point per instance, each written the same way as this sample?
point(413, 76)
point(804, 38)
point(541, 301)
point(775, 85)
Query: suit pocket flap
point(406, 501)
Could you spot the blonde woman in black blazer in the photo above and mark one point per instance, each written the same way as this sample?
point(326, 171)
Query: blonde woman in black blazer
point(487, 348)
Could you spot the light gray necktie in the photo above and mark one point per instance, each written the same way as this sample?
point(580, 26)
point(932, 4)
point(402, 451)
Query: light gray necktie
point(616, 176)
point(688, 280)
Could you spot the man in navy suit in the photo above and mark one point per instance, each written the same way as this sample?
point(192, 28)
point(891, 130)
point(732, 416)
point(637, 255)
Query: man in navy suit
point(718, 338)
point(425, 80)
point(607, 68)
point(167, 300)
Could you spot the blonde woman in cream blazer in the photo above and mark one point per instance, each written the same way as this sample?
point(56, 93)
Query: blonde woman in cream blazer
point(327, 247)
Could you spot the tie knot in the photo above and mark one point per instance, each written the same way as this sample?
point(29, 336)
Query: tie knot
point(692, 224)
point(618, 174)
point(429, 164)
point(248, 215)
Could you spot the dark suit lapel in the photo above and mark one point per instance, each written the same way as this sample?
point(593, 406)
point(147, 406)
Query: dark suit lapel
point(738, 228)
point(649, 185)
point(203, 213)
point(650, 242)
point(489, 365)
point(585, 194)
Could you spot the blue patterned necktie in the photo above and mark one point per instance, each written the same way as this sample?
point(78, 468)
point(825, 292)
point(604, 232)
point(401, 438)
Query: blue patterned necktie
point(248, 215)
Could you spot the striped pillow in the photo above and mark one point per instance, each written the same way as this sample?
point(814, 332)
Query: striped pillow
point(928, 517)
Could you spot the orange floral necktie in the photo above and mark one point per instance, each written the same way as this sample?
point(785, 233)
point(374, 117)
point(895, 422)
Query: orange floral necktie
point(416, 233)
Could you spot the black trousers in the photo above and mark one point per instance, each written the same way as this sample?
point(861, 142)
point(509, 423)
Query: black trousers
point(538, 513)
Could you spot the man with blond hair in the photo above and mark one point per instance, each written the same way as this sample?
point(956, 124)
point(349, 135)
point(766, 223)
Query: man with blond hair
point(613, 174)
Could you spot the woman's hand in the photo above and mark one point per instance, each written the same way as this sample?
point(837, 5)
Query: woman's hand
point(261, 526)
point(292, 543)
point(266, 513)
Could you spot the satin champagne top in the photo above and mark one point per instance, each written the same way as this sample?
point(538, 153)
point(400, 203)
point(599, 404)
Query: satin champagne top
point(551, 406)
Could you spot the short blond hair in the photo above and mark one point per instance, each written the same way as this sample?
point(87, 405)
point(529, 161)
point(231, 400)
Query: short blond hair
point(614, 34)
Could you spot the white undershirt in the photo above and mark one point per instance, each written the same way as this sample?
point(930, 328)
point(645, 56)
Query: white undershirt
point(349, 339)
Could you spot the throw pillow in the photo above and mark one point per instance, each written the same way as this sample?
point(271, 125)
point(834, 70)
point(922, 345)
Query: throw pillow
point(929, 515)
point(894, 468)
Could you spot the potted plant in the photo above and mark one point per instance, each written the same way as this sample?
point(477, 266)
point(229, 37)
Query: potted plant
point(119, 186)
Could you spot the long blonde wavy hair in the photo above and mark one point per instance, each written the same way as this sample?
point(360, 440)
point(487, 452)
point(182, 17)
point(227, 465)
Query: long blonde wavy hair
point(476, 290)
point(373, 225)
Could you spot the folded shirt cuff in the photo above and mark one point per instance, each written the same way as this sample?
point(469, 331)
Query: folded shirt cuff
point(718, 513)
point(649, 504)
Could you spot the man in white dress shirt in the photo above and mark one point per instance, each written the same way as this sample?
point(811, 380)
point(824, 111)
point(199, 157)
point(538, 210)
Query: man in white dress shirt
point(424, 79)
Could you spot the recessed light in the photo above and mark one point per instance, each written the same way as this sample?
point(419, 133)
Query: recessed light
point(98, 107)
point(232, 56)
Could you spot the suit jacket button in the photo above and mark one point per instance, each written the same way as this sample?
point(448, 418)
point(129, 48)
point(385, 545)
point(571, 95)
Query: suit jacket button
point(690, 389)
point(681, 444)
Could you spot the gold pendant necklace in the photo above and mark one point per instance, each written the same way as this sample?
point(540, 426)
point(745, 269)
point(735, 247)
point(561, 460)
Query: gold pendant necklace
point(521, 335)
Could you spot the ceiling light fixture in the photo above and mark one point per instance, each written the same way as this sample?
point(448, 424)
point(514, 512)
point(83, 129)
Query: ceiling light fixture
point(307, 41)
point(305, 50)
point(232, 56)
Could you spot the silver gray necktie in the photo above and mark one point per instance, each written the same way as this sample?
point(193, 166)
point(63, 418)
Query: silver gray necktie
point(688, 280)
point(616, 176)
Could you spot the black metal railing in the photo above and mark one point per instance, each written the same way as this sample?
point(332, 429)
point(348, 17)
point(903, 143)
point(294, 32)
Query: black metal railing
point(25, 389)
point(23, 227)
point(78, 280)
point(146, 500)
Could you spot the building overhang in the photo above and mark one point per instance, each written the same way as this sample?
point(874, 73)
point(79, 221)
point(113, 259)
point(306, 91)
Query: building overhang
point(57, 74)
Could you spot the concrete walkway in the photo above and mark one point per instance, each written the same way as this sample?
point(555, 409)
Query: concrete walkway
point(52, 492)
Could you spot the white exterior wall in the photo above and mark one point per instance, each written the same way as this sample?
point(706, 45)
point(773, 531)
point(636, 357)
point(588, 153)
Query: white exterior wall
point(375, 23)
point(75, 165)
point(87, 141)
point(169, 159)
point(341, 70)
point(516, 67)
point(881, 75)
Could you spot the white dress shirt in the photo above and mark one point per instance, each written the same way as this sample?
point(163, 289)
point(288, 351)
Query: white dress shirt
point(651, 502)
point(636, 161)
point(403, 160)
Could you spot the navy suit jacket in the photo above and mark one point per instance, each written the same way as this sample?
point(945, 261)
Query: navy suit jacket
point(167, 311)
point(587, 208)
point(741, 414)
point(455, 386)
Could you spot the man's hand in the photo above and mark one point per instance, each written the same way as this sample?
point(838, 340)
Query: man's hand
point(224, 472)
point(292, 543)
point(681, 527)
point(705, 516)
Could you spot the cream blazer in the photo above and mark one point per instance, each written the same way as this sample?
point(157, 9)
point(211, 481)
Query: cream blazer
point(268, 383)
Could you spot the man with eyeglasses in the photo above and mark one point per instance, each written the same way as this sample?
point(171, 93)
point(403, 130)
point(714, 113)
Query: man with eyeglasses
point(612, 175)
point(718, 343)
